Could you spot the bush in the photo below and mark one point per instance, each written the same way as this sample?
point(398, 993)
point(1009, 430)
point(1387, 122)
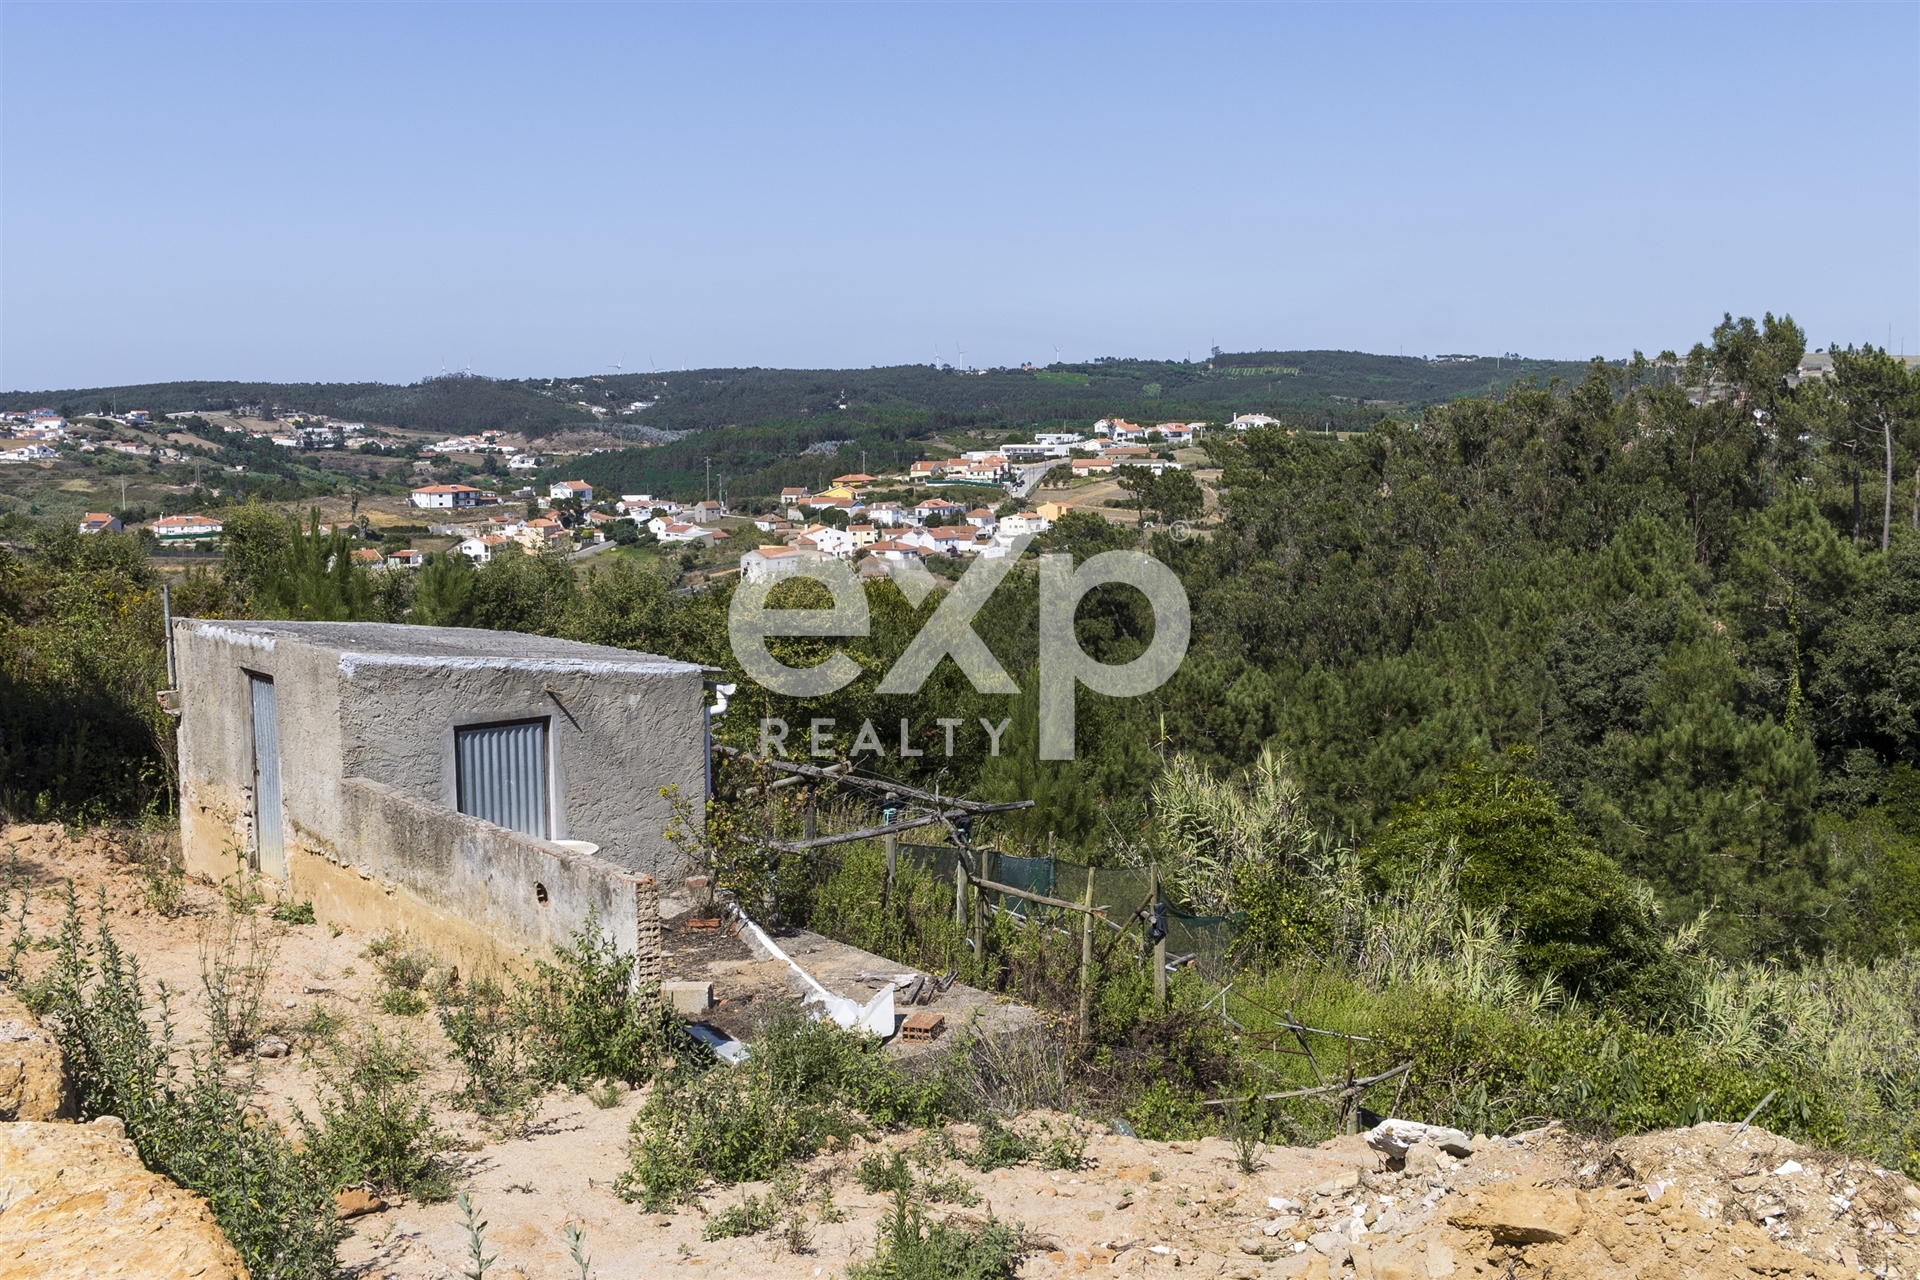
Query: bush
point(583, 1019)
point(998, 1148)
point(913, 1247)
point(271, 1201)
point(403, 972)
point(805, 1081)
point(293, 912)
point(375, 1127)
point(877, 1173)
point(478, 1021)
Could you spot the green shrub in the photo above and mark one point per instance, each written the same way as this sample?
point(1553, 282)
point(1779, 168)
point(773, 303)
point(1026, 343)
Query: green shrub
point(293, 912)
point(186, 1122)
point(403, 972)
point(374, 1125)
point(754, 1214)
point(913, 1247)
point(582, 1019)
point(804, 1082)
point(1066, 1149)
point(478, 1021)
point(877, 1172)
point(998, 1147)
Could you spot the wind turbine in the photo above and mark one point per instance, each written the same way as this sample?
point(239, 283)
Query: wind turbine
point(963, 354)
point(619, 366)
point(1056, 353)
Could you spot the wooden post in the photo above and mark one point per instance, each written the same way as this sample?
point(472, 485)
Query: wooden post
point(812, 824)
point(1160, 947)
point(893, 856)
point(1086, 965)
point(960, 891)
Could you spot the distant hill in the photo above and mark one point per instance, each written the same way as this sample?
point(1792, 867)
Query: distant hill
point(1349, 387)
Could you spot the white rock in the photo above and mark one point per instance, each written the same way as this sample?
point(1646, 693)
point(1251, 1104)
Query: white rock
point(1790, 1167)
point(1394, 1137)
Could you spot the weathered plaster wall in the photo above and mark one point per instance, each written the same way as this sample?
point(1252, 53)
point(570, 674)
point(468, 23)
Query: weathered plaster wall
point(367, 715)
point(469, 890)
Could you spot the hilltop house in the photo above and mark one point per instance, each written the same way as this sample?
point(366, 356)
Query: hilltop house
point(178, 529)
point(99, 522)
point(445, 497)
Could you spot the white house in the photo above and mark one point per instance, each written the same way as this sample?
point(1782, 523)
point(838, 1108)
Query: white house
point(445, 496)
point(186, 528)
point(772, 563)
point(1247, 421)
point(827, 540)
point(1021, 524)
point(935, 509)
point(891, 514)
point(561, 490)
point(1058, 438)
point(481, 550)
point(709, 511)
point(980, 518)
point(894, 550)
point(523, 462)
point(675, 531)
point(953, 539)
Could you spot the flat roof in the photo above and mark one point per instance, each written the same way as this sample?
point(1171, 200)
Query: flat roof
point(390, 644)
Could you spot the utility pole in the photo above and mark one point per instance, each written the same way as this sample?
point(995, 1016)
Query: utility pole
point(708, 492)
point(1086, 966)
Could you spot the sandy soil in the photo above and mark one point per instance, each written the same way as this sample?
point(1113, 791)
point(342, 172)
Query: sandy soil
point(1703, 1202)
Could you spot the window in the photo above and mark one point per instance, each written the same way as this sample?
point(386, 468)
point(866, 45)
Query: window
point(502, 774)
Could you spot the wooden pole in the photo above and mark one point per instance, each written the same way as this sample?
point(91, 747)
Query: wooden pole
point(1086, 964)
point(893, 857)
point(1159, 947)
point(960, 891)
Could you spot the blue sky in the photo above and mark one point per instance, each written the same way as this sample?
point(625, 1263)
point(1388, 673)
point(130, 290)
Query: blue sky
point(363, 191)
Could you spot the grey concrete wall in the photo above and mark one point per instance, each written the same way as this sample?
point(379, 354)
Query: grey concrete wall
point(382, 702)
point(526, 893)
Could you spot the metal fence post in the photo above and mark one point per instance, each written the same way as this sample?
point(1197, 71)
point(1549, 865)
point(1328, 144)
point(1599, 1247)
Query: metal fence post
point(893, 857)
point(1160, 946)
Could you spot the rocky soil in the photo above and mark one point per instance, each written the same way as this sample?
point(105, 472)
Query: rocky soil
point(1702, 1202)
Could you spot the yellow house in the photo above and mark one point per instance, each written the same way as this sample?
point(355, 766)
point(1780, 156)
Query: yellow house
point(1052, 511)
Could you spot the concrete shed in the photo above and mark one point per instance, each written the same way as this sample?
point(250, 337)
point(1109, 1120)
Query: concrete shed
point(481, 789)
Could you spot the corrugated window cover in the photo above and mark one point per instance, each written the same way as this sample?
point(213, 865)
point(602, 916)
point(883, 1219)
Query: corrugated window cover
point(503, 774)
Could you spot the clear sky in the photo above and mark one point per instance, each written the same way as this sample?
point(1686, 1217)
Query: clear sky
point(360, 191)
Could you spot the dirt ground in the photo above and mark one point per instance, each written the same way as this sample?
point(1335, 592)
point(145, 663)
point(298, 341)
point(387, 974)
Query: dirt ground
point(1703, 1202)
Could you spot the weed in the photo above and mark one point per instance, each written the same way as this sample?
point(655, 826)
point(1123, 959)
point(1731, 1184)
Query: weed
point(998, 1147)
point(606, 1095)
point(403, 972)
point(877, 1173)
point(185, 1119)
point(242, 891)
point(755, 1214)
point(582, 1019)
point(1246, 1126)
point(480, 1027)
point(234, 965)
point(478, 1263)
point(950, 1190)
point(913, 1247)
point(164, 888)
point(577, 1249)
point(1066, 1149)
point(374, 1125)
point(805, 1082)
point(828, 1210)
point(292, 912)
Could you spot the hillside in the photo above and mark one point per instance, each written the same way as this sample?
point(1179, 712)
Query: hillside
point(1346, 387)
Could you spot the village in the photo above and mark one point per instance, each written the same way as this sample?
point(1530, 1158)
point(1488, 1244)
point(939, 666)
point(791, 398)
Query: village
point(979, 503)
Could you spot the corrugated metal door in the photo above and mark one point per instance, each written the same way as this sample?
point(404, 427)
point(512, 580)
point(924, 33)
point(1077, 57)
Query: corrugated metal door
point(503, 774)
point(269, 837)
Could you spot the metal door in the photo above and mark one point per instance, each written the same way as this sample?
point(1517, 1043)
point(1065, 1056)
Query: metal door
point(502, 774)
point(270, 847)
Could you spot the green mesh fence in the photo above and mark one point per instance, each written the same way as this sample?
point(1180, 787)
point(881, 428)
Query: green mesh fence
point(1122, 890)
